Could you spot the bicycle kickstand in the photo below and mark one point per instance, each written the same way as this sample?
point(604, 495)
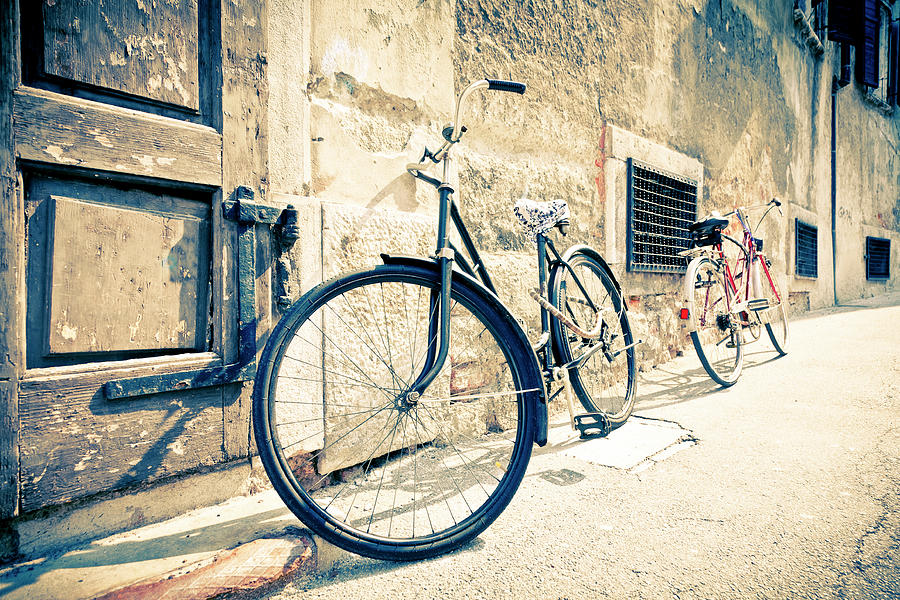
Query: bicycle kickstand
point(562, 375)
point(590, 425)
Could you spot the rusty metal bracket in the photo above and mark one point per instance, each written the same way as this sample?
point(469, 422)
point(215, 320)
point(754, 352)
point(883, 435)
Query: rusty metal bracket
point(242, 209)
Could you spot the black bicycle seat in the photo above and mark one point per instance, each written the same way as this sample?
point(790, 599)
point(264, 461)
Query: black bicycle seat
point(708, 226)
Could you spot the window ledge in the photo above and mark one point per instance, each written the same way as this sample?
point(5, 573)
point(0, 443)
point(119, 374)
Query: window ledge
point(809, 35)
point(878, 103)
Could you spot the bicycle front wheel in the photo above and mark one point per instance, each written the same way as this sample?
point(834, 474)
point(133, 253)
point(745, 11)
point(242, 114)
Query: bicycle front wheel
point(717, 332)
point(353, 455)
point(606, 380)
point(775, 316)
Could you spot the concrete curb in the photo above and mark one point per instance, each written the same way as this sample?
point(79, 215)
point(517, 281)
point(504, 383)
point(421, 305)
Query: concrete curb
point(244, 543)
point(258, 564)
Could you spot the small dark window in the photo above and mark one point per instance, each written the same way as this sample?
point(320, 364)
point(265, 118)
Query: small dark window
point(878, 258)
point(807, 254)
point(661, 206)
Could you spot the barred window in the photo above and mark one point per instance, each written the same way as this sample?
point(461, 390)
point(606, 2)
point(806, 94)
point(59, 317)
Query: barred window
point(806, 253)
point(661, 206)
point(878, 258)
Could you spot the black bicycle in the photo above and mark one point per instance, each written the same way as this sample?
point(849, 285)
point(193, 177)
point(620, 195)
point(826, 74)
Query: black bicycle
point(395, 408)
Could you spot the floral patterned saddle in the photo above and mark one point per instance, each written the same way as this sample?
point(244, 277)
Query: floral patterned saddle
point(540, 217)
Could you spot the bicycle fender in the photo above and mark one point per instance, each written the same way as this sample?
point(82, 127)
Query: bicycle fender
point(596, 256)
point(688, 292)
point(532, 378)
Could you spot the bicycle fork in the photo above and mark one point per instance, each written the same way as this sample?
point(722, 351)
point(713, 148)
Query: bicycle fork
point(439, 304)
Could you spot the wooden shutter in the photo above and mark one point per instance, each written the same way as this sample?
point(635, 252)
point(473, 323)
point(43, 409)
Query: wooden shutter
point(843, 21)
point(894, 63)
point(867, 44)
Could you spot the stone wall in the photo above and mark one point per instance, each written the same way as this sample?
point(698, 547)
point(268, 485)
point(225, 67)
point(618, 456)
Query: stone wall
point(725, 93)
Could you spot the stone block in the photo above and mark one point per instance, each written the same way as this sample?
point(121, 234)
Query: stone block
point(490, 187)
point(622, 145)
point(354, 237)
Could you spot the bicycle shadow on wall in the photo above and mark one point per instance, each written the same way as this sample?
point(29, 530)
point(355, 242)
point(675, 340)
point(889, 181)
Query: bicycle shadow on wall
point(403, 189)
point(178, 427)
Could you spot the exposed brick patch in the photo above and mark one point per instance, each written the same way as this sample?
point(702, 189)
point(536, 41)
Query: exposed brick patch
point(255, 564)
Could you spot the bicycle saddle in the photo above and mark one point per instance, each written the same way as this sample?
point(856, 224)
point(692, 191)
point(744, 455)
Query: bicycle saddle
point(708, 226)
point(540, 217)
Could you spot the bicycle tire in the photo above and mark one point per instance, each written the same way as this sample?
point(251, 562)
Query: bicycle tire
point(440, 484)
point(711, 321)
point(775, 317)
point(606, 382)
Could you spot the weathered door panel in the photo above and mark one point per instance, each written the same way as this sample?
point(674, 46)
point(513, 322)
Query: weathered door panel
point(145, 49)
point(127, 260)
point(74, 441)
point(52, 128)
point(10, 266)
point(126, 271)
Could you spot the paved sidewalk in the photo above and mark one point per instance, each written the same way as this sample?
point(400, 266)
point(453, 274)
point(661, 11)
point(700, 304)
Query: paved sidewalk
point(252, 542)
point(242, 543)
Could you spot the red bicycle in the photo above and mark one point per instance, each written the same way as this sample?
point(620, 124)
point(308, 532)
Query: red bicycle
point(727, 308)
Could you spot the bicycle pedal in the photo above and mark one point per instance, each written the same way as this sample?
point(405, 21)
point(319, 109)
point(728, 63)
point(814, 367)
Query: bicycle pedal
point(592, 425)
point(758, 304)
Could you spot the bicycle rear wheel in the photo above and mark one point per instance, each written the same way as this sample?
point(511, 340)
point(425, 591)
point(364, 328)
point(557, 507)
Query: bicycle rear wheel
point(775, 317)
point(361, 463)
point(717, 334)
point(607, 379)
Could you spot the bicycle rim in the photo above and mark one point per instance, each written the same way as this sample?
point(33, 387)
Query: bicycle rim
point(369, 471)
point(606, 381)
point(716, 336)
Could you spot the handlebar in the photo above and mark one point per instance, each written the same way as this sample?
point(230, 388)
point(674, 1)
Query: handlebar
point(773, 203)
point(456, 129)
point(506, 86)
point(740, 210)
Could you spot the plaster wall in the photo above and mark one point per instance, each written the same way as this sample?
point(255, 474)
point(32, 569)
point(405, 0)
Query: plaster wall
point(726, 93)
point(868, 191)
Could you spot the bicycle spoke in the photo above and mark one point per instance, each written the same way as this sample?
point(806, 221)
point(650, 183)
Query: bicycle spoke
point(369, 465)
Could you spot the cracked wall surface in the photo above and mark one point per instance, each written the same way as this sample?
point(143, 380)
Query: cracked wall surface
point(725, 93)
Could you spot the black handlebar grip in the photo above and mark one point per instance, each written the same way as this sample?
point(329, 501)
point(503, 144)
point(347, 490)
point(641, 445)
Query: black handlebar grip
point(506, 86)
point(776, 201)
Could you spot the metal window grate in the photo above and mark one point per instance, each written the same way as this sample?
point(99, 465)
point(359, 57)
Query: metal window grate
point(878, 258)
point(661, 206)
point(807, 252)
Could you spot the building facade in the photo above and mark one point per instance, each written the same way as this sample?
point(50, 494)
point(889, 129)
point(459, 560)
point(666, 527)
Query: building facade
point(150, 152)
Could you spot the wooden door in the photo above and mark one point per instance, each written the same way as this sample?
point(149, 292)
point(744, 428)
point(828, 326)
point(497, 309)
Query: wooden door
point(129, 124)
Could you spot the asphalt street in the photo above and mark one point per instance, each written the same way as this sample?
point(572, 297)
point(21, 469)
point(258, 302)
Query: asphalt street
point(788, 488)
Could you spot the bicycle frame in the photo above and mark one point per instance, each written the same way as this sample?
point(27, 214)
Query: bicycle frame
point(446, 254)
point(751, 258)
